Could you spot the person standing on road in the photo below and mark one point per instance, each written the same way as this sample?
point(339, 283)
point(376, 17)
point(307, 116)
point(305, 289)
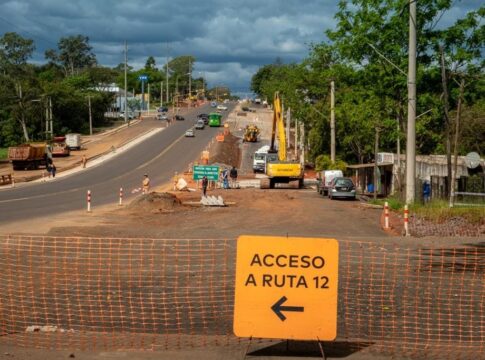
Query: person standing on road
point(225, 179)
point(233, 175)
point(205, 182)
point(84, 161)
point(146, 184)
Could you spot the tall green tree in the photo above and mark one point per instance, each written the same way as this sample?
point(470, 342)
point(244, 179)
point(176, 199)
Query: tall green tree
point(74, 54)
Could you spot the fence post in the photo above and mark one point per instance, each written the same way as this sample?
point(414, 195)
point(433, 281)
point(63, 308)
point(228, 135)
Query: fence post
point(386, 215)
point(89, 200)
point(121, 196)
point(406, 220)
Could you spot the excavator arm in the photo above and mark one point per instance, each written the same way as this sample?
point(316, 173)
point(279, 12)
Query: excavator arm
point(278, 126)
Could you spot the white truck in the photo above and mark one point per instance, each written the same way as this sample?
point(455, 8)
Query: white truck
point(325, 178)
point(73, 141)
point(260, 159)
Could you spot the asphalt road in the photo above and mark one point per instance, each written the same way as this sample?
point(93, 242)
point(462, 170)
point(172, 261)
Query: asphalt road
point(160, 156)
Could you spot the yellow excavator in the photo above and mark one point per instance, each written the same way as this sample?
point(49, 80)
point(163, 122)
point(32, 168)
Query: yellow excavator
point(279, 169)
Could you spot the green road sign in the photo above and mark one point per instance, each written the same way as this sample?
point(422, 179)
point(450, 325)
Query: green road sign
point(212, 172)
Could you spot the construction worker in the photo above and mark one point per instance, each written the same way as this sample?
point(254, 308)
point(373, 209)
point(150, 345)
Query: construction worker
point(205, 182)
point(146, 184)
point(233, 175)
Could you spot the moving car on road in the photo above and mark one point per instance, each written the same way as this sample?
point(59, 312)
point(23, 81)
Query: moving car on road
point(221, 107)
point(162, 117)
point(189, 133)
point(200, 125)
point(179, 117)
point(341, 187)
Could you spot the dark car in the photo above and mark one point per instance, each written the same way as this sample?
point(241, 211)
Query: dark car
point(202, 116)
point(179, 117)
point(163, 109)
point(341, 187)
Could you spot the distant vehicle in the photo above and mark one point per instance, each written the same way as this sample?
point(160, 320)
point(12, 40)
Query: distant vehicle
point(189, 133)
point(213, 104)
point(257, 101)
point(162, 109)
point(226, 101)
point(221, 107)
point(245, 108)
point(200, 125)
point(131, 116)
point(179, 117)
point(215, 119)
point(202, 116)
point(341, 187)
point(29, 156)
point(73, 141)
point(325, 178)
point(162, 117)
point(59, 146)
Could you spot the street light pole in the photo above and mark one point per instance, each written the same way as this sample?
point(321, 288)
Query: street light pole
point(126, 82)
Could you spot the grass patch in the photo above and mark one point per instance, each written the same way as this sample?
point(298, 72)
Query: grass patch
point(439, 211)
point(3, 153)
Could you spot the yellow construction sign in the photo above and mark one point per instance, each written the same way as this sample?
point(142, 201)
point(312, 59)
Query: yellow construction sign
point(286, 288)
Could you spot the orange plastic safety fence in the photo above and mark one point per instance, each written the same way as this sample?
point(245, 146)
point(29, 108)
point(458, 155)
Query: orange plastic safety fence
point(91, 293)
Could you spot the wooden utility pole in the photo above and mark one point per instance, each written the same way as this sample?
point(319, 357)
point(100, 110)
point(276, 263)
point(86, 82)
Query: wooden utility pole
point(161, 93)
point(296, 138)
point(332, 121)
point(288, 123)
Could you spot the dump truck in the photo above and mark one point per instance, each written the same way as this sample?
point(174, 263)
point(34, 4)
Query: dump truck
point(279, 169)
point(59, 146)
point(251, 133)
point(29, 156)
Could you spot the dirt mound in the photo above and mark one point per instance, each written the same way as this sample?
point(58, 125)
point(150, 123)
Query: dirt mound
point(155, 202)
point(226, 152)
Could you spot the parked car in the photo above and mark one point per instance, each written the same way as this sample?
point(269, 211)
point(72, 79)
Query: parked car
point(162, 117)
point(189, 133)
point(179, 117)
point(341, 187)
point(200, 125)
point(162, 109)
point(325, 178)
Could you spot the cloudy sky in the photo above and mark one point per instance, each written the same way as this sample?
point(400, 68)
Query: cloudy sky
point(230, 39)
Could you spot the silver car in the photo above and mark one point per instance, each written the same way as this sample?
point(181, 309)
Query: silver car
point(341, 187)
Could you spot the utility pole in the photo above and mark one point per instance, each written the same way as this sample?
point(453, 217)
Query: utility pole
point(166, 72)
point(411, 131)
point(190, 80)
point(126, 82)
point(148, 98)
point(90, 116)
point(161, 93)
point(332, 121)
point(288, 123)
point(50, 118)
point(296, 138)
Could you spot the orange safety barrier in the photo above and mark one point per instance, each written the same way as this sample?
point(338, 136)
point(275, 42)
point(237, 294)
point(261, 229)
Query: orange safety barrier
point(105, 293)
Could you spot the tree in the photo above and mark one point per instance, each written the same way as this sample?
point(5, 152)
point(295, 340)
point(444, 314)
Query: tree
point(74, 54)
point(150, 64)
point(14, 52)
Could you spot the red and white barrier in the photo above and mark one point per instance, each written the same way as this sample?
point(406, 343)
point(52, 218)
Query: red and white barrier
point(89, 200)
point(406, 220)
point(121, 197)
point(386, 215)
